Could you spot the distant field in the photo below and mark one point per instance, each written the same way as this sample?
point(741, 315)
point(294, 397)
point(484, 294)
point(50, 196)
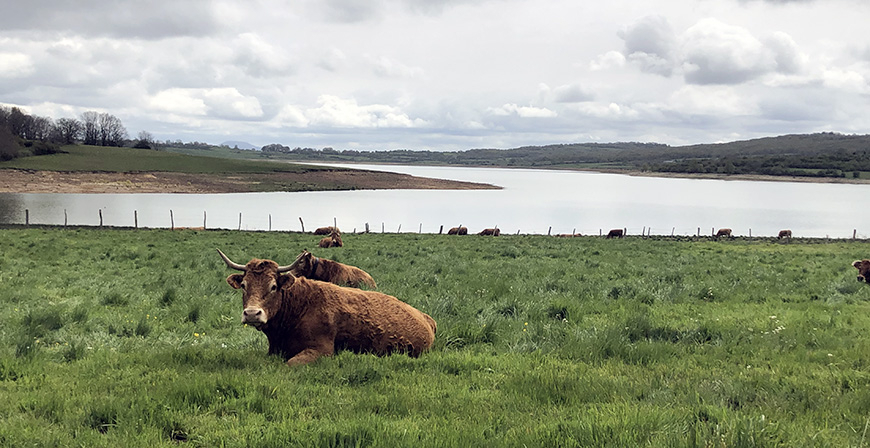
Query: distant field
point(110, 159)
point(115, 337)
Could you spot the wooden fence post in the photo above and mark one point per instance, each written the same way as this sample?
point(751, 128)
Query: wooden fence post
point(101, 216)
point(421, 228)
point(334, 222)
point(171, 220)
point(64, 217)
point(441, 229)
point(303, 224)
point(135, 219)
point(382, 228)
point(367, 227)
point(26, 217)
point(672, 230)
point(854, 233)
point(240, 220)
point(549, 230)
point(270, 222)
point(203, 220)
point(400, 229)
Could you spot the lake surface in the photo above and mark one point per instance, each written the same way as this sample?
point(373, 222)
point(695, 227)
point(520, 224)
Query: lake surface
point(532, 201)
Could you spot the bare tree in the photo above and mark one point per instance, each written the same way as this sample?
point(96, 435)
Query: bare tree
point(40, 128)
point(67, 130)
point(90, 127)
point(110, 130)
point(146, 141)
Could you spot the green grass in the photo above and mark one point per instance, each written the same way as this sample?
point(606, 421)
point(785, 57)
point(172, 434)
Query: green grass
point(110, 159)
point(132, 338)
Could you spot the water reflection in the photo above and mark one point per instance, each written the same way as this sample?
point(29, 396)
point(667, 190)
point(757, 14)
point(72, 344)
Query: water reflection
point(532, 201)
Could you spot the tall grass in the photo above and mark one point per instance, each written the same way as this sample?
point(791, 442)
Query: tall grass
point(132, 338)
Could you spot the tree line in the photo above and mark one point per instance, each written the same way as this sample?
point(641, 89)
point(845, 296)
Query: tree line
point(23, 134)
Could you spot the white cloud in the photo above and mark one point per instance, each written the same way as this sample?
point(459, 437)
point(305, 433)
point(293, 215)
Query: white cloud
point(522, 111)
point(606, 61)
point(718, 53)
point(15, 65)
point(217, 102)
point(343, 113)
point(650, 43)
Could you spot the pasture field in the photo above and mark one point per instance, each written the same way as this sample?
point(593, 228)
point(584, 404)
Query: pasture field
point(121, 337)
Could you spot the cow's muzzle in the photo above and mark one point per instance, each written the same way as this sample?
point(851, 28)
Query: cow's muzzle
point(254, 316)
point(861, 278)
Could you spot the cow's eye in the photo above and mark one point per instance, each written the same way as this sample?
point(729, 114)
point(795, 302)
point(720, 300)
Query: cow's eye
point(274, 287)
point(244, 285)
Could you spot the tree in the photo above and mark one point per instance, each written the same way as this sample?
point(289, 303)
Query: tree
point(90, 127)
point(145, 141)
point(110, 130)
point(67, 130)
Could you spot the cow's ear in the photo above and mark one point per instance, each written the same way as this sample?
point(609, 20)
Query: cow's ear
point(235, 280)
point(286, 280)
point(856, 264)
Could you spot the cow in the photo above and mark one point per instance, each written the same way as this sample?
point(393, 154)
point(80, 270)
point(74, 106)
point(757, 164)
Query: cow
point(308, 266)
point(492, 232)
point(615, 233)
point(458, 231)
point(333, 240)
point(326, 230)
point(784, 234)
point(305, 319)
point(723, 232)
point(863, 267)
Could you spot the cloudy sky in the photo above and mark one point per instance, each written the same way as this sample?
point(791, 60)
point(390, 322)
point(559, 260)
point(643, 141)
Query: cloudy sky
point(443, 74)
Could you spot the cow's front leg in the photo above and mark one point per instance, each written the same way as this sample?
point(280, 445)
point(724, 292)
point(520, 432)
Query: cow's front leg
point(310, 354)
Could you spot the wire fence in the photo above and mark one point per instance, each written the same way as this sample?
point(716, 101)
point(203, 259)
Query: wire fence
point(643, 231)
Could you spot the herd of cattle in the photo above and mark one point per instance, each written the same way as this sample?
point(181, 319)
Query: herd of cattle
point(314, 306)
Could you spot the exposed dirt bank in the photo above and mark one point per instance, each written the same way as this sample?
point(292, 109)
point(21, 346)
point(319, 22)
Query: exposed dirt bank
point(27, 181)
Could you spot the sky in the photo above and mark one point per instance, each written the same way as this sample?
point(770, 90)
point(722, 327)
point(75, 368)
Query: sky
point(443, 74)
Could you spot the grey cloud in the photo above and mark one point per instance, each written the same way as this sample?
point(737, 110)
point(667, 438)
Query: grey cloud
point(717, 53)
point(143, 20)
point(650, 43)
point(571, 94)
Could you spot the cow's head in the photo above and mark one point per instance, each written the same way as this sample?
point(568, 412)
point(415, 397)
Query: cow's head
point(863, 267)
point(261, 283)
point(303, 266)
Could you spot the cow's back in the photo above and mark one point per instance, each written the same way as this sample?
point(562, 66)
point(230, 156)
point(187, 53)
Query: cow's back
point(370, 321)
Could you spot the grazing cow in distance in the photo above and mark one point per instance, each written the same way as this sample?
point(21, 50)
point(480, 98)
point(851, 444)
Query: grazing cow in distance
point(615, 233)
point(311, 267)
point(492, 232)
point(458, 231)
point(784, 234)
point(723, 232)
point(863, 267)
point(305, 319)
point(326, 230)
point(333, 240)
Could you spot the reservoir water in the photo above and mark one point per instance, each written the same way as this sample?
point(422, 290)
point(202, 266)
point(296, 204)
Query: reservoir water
point(531, 201)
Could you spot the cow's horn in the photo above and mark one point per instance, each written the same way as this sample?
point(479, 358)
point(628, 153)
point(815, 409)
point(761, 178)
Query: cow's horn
point(231, 263)
point(285, 268)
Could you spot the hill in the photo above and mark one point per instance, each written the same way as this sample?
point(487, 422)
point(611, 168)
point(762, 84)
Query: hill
point(822, 154)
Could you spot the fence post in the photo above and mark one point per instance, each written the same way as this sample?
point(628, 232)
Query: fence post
point(549, 230)
point(270, 222)
point(367, 227)
point(303, 224)
point(750, 233)
point(135, 219)
point(101, 216)
point(421, 228)
point(854, 233)
point(240, 220)
point(382, 228)
point(26, 217)
point(400, 229)
point(334, 222)
point(64, 217)
point(171, 220)
point(203, 220)
point(441, 229)
point(672, 230)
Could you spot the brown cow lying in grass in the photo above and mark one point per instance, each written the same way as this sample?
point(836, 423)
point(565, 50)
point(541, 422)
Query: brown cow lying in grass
point(863, 267)
point(333, 240)
point(458, 231)
point(492, 232)
point(615, 233)
point(305, 319)
point(326, 230)
point(311, 267)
